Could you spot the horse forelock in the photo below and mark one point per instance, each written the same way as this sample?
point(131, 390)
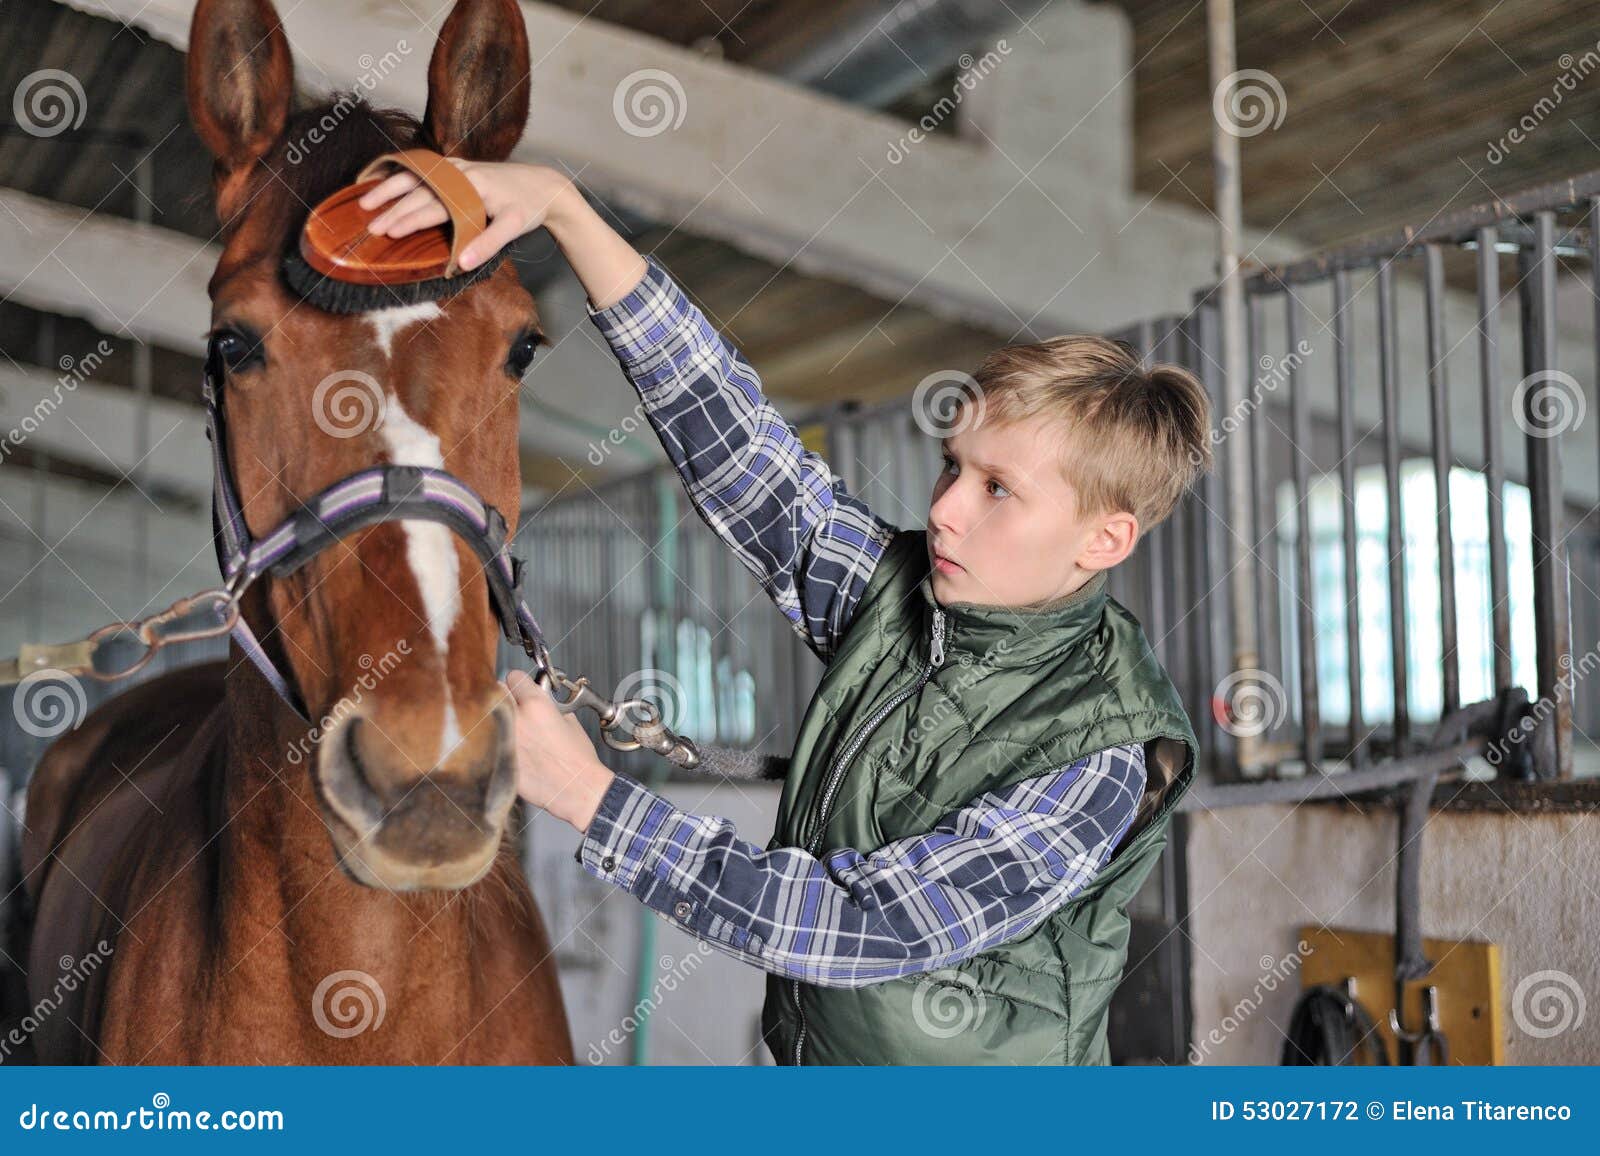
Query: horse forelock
point(322, 149)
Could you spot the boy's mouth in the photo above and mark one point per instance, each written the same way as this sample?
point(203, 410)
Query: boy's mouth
point(943, 564)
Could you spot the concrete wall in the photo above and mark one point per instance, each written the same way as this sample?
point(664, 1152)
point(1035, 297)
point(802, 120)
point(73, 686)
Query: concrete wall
point(1530, 883)
point(699, 1006)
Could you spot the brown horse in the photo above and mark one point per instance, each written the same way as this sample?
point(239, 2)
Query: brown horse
point(207, 881)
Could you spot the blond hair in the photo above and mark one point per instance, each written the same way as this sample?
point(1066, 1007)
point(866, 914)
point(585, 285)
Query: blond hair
point(1133, 437)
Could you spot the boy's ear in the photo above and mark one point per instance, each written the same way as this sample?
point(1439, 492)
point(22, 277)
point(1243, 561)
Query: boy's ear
point(1109, 543)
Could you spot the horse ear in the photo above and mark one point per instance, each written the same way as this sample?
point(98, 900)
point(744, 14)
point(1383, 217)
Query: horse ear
point(240, 80)
point(478, 81)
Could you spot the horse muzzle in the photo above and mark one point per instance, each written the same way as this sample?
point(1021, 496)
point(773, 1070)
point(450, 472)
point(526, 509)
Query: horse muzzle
point(402, 829)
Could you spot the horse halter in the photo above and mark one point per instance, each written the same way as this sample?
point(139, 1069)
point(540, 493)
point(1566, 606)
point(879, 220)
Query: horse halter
point(389, 493)
point(384, 493)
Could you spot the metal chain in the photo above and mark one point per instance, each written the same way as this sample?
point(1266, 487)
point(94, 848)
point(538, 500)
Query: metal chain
point(77, 659)
point(629, 725)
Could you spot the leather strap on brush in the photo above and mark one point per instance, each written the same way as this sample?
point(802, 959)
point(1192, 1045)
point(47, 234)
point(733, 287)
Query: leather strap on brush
point(468, 218)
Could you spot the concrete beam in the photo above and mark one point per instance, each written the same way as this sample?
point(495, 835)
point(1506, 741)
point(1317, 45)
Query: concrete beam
point(972, 225)
point(98, 424)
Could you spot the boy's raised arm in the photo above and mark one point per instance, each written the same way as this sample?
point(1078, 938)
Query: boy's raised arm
point(810, 544)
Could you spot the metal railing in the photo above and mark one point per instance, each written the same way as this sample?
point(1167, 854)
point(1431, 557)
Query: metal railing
point(1353, 365)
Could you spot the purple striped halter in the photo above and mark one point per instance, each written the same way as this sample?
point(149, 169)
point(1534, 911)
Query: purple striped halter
point(379, 494)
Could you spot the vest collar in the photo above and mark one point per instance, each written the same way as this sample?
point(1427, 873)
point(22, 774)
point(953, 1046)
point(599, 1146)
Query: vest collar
point(1001, 636)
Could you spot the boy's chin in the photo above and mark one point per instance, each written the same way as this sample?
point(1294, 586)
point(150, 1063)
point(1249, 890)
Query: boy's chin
point(951, 587)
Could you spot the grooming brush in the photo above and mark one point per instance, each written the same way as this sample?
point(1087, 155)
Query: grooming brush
point(343, 268)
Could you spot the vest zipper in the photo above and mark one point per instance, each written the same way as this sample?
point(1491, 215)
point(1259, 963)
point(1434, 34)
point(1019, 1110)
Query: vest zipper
point(836, 774)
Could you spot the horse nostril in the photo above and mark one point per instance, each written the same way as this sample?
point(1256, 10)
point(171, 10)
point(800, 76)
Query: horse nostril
point(501, 788)
point(345, 783)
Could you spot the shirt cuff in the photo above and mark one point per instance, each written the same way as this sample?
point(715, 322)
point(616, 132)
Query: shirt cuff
point(621, 841)
point(637, 326)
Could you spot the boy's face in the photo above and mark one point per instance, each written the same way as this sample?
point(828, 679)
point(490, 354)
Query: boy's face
point(1004, 526)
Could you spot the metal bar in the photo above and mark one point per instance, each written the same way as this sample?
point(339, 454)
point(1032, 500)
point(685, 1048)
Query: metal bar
point(1389, 387)
point(1205, 570)
point(1439, 413)
point(1344, 383)
point(1494, 469)
point(1156, 563)
point(1443, 228)
point(1263, 521)
point(1552, 747)
point(143, 383)
point(1223, 63)
point(1305, 593)
point(1445, 762)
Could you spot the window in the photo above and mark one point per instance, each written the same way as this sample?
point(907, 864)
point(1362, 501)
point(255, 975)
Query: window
point(1469, 524)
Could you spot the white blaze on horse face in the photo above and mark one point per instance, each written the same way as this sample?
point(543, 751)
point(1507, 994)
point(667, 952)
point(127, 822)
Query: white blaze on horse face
point(387, 322)
point(431, 551)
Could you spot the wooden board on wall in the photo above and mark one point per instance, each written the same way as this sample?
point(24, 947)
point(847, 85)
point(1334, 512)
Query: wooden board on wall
point(1466, 973)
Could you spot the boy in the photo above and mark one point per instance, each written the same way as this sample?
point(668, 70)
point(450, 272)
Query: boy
point(987, 771)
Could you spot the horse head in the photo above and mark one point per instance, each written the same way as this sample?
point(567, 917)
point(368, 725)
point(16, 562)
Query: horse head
point(388, 633)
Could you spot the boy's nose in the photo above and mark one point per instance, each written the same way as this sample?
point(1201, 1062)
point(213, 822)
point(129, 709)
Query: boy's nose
point(944, 514)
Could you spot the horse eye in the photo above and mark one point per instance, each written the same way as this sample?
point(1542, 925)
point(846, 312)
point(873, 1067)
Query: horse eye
point(521, 355)
point(230, 350)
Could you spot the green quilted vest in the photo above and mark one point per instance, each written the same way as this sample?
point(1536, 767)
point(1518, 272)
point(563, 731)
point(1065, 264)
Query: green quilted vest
point(925, 707)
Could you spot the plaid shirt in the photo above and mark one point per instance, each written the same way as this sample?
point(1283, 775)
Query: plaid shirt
point(989, 872)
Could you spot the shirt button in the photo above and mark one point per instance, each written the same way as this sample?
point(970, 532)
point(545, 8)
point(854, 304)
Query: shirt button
point(609, 863)
point(681, 909)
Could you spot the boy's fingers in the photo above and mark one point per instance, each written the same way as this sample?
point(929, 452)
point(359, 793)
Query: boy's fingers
point(403, 219)
point(409, 203)
point(501, 232)
point(388, 189)
point(522, 686)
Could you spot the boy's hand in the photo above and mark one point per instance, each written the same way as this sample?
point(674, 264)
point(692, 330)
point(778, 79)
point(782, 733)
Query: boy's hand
point(518, 198)
point(557, 768)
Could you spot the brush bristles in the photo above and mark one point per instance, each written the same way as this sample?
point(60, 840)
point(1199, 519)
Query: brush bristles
point(335, 296)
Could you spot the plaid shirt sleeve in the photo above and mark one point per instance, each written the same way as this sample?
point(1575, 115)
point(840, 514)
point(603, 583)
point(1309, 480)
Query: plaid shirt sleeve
point(810, 544)
point(989, 872)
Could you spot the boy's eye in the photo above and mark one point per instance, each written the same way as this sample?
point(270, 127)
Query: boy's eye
point(949, 463)
point(994, 485)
